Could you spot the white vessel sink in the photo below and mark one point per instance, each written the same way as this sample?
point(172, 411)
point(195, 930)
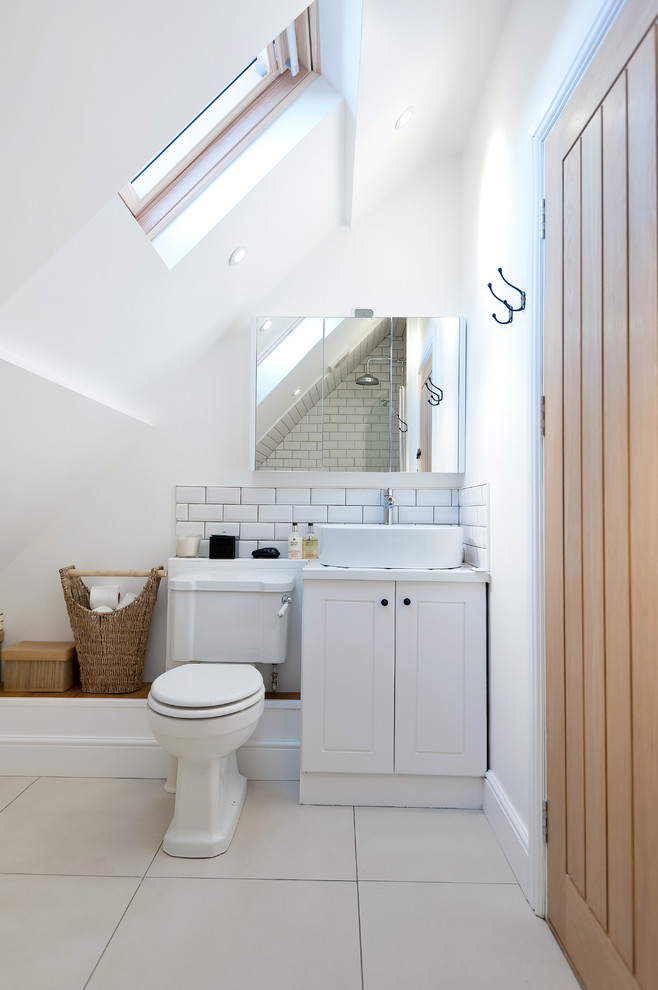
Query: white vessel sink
point(354, 545)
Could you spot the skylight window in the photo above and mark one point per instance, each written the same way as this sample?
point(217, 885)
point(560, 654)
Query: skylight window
point(254, 77)
point(217, 135)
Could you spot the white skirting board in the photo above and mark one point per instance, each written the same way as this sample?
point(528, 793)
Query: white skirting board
point(96, 737)
point(390, 790)
point(511, 833)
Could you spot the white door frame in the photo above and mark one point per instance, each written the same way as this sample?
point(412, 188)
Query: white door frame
point(537, 885)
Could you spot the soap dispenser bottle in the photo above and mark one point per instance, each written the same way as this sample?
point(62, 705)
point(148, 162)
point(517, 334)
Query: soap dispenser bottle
point(310, 544)
point(294, 544)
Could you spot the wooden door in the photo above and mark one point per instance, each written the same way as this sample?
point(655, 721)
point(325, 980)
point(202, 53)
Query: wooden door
point(440, 678)
point(348, 642)
point(601, 334)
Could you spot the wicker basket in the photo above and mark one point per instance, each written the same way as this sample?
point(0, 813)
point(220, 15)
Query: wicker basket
point(111, 646)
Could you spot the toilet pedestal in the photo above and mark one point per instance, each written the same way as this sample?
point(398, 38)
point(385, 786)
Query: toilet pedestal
point(210, 790)
point(209, 799)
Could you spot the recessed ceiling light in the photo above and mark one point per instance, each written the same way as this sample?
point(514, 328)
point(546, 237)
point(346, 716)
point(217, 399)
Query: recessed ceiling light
point(404, 118)
point(297, 391)
point(238, 255)
point(266, 325)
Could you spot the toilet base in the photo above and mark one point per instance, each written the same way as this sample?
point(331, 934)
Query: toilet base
point(209, 799)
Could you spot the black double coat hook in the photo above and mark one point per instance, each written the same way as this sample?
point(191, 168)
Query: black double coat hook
point(511, 310)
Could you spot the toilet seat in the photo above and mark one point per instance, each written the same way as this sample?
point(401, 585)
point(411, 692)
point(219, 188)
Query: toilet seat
point(206, 690)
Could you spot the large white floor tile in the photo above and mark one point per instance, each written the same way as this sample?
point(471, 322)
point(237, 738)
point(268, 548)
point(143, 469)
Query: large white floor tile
point(11, 787)
point(277, 838)
point(428, 844)
point(237, 935)
point(430, 936)
point(82, 825)
point(53, 929)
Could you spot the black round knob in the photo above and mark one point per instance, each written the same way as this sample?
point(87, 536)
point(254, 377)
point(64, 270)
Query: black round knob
point(407, 601)
point(384, 601)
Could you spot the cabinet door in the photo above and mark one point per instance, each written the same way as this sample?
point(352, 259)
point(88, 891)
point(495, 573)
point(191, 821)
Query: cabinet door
point(348, 639)
point(440, 690)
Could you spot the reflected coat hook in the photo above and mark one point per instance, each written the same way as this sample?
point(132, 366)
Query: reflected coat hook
point(436, 393)
point(510, 309)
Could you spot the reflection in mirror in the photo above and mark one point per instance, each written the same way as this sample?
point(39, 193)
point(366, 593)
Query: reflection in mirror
point(359, 394)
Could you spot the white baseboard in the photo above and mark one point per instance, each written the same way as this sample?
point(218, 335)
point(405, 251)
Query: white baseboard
point(59, 737)
point(390, 790)
point(511, 833)
point(80, 756)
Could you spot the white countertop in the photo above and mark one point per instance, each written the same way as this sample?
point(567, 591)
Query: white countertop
point(315, 571)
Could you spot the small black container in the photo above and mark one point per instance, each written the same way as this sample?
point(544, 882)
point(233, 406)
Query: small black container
point(223, 547)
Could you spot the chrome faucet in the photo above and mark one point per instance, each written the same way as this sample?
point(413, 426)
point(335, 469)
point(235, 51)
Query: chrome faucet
point(389, 502)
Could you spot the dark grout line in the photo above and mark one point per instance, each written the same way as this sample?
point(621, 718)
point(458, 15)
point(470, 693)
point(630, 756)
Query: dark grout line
point(253, 879)
point(358, 898)
point(20, 793)
point(123, 914)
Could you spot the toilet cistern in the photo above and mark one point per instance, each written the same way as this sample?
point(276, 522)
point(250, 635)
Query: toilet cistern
point(389, 502)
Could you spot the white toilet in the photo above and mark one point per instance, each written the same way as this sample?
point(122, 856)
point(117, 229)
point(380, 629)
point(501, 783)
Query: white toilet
point(223, 616)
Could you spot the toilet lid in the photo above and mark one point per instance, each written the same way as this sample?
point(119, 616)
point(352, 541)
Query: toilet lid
point(208, 686)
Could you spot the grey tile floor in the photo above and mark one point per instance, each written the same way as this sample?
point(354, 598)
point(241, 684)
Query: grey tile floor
point(306, 897)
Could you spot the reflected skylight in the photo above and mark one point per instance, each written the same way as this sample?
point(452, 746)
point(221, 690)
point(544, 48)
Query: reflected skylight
point(289, 350)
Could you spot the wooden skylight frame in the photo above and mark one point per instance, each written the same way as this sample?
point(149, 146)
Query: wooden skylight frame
point(224, 142)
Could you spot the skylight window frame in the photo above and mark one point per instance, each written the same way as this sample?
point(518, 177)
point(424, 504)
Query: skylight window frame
point(224, 142)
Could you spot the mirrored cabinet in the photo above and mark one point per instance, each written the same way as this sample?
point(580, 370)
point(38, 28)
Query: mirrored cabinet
point(360, 394)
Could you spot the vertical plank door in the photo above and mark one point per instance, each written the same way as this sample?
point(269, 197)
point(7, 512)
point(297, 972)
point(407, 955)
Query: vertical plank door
point(601, 356)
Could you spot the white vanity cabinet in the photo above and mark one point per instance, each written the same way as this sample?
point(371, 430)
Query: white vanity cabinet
point(394, 677)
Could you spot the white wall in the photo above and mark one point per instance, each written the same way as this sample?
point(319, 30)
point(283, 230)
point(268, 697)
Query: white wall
point(501, 228)
point(97, 90)
point(119, 512)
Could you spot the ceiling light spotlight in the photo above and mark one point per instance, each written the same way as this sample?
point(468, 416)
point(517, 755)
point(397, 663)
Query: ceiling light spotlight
point(297, 391)
point(266, 325)
point(238, 255)
point(404, 118)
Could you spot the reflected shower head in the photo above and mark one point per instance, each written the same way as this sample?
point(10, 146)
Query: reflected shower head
point(367, 379)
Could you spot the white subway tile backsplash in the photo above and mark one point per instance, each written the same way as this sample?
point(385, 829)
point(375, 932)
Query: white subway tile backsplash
point(363, 496)
point(309, 513)
point(188, 493)
point(434, 496)
point(469, 515)
point(415, 514)
point(256, 531)
point(345, 514)
point(293, 496)
point(373, 514)
point(222, 529)
point(262, 516)
point(207, 513)
point(404, 496)
point(223, 495)
point(241, 513)
point(258, 496)
point(474, 517)
point(275, 513)
point(447, 515)
point(189, 529)
point(327, 496)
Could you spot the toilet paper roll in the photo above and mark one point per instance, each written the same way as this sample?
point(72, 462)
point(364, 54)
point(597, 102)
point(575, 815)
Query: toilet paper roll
point(103, 608)
point(127, 599)
point(103, 594)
